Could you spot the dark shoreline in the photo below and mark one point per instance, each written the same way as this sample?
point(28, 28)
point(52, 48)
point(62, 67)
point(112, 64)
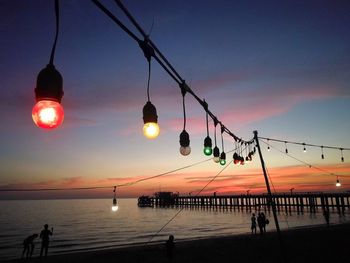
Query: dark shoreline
point(307, 244)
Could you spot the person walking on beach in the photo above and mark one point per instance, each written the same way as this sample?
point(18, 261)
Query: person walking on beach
point(264, 221)
point(45, 239)
point(261, 223)
point(253, 226)
point(28, 246)
point(326, 216)
point(170, 247)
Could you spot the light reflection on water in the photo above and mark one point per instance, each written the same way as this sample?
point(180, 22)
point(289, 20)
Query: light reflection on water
point(90, 224)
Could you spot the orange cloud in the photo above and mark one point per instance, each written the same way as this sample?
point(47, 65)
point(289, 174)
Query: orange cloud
point(231, 181)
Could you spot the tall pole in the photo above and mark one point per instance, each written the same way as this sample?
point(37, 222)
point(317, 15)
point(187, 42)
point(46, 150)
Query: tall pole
point(269, 195)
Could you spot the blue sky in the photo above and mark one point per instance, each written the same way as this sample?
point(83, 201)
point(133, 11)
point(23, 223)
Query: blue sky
point(281, 68)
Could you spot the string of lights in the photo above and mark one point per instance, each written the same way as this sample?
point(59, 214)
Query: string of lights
point(322, 147)
point(307, 164)
point(48, 112)
point(182, 208)
point(150, 50)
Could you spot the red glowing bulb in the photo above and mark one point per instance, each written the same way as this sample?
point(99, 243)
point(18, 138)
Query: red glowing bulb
point(47, 114)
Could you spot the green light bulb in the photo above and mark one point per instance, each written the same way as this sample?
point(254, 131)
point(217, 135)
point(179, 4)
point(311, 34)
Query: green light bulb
point(208, 151)
point(222, 161)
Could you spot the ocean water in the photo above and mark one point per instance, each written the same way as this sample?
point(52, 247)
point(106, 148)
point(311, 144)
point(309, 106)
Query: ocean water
point(90, 224)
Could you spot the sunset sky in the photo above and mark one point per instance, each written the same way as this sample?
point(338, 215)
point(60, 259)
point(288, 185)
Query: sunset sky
point(279, 67)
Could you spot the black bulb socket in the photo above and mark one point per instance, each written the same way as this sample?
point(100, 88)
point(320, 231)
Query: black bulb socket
point(216, 151)
point(49, 84)
point(149, 113)
point(223, 156)
point(184, 139)
point(207, 142)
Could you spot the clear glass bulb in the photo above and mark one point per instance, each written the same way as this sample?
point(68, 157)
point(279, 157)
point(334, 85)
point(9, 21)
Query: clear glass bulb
point(185, 150)
point(216, 159)
point(151, 130)
point(115, 208)
point(338, 184)
point(47, 114)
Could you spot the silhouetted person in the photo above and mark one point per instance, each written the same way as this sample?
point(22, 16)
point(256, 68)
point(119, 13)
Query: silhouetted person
point(45, 239)
point(253, 226)
point(326, 216)
point(170, 247)
point(28, 245)
point(264, 221)
point(261, 223)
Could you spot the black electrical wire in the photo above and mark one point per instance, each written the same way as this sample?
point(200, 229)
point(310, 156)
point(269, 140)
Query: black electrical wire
point(167, 70)
point(301, 161)
point(134, 22)
point(57, 14)
point(183, 93)
point(274, 189)
point(116, 20)
point(162, 60)
point(206, 118)
point(305, 144)
point(215, 124)
point(149, 78)
point(222, 139)
point(182, 208)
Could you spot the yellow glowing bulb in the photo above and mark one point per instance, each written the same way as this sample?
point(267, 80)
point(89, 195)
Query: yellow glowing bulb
point(151, 130)
point(115, 208)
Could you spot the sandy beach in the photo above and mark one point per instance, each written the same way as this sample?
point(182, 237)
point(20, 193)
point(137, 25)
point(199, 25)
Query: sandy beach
point(312, 244)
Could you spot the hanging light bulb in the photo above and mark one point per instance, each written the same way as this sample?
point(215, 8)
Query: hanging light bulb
point(207, 141)
point(322, 155)
point(223, 154)
point(342, 157)
point(223, 158)
point(114, 204)
point(236, 158)
point(338, 184)
point(286, 147)
point(247, 160)
point(207, 146)
point(304, 148)
point(150, 120)
point(48, 113)
point(185, 148)
point(268, 145)
point(241, 158)
point(216, 153)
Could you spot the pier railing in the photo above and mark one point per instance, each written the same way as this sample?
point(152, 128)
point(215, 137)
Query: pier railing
point(284, 202)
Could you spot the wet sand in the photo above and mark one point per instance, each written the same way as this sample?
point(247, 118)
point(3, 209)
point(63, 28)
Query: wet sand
point(314, 244)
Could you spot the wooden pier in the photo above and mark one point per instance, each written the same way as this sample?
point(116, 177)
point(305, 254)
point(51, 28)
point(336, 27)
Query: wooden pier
point(287, 203)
